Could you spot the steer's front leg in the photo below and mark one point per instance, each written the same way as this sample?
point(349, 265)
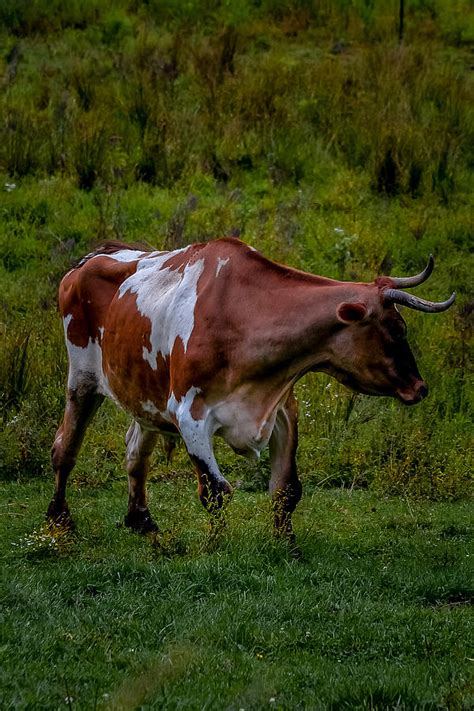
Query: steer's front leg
point(285, 487)
point(213, 489)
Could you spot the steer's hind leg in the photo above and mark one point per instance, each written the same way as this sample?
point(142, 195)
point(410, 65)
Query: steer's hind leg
point(140, 444)
point(82, 403)
point(285, 487)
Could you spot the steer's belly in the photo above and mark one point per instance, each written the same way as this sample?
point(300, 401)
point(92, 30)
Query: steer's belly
point(244, 427)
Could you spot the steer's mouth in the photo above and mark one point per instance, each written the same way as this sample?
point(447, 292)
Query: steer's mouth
point(352, 383)
point(407, 395)
point(411, 396)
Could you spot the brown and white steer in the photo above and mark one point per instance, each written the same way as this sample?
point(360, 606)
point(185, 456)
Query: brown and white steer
point(210, 340)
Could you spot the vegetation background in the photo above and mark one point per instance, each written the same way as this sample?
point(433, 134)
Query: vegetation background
point(307, 128)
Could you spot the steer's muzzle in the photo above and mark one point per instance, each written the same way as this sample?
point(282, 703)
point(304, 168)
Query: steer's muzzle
point(410, 396)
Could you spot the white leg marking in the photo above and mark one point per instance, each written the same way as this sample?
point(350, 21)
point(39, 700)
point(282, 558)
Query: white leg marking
point(133, 440)
point(197, 434)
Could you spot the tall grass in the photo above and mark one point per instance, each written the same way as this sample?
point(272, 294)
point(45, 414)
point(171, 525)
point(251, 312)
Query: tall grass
point(306, 128)
point(140, 99)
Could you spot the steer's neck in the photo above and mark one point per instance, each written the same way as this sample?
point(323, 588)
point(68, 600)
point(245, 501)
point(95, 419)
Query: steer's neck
point(301, 322)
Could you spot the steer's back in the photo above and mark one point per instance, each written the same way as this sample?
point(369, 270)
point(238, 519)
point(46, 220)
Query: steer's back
point(127, 314)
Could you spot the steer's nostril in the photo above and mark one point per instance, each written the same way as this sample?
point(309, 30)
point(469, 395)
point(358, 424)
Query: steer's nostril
point(423, 391)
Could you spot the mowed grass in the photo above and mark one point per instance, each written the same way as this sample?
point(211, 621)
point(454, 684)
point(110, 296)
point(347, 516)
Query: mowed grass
point(375, 615)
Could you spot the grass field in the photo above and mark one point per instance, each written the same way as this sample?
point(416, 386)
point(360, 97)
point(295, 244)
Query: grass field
point(309, 129)
point(375, 615)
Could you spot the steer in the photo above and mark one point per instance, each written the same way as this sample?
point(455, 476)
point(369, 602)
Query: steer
point(210, 340)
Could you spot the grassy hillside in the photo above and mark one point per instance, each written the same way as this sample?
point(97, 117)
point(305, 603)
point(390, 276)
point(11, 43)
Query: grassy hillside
point(304, 127)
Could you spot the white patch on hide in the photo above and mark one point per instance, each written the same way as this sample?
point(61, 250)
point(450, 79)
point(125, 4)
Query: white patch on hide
point(150, 407)
point(221, 263)
point(167, 298)
point(183, 406)
point(123, 255)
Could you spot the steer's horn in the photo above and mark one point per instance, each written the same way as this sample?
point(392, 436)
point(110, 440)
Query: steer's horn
point(414, 302)
point(407, 282)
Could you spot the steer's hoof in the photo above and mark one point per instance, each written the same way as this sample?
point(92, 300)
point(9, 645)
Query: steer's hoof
point(295, 551)
point(286, 535)
point(140, 521)
point(59, 516)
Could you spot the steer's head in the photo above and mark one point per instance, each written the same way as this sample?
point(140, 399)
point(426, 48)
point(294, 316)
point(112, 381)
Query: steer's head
point(371, 352)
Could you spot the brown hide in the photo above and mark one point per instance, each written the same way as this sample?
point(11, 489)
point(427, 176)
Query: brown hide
point(86, 293)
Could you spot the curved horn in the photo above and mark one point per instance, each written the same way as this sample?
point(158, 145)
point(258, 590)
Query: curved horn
point(414, 302)
point(407, 282)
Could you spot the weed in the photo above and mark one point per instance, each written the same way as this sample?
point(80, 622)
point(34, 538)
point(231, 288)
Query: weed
point(47, 541)
point(15, 372)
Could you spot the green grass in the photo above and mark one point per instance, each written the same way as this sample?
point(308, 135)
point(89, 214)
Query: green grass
point(308, 129)
point(376, 614)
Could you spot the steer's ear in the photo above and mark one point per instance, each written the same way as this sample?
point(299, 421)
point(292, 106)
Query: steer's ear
point(350, 313)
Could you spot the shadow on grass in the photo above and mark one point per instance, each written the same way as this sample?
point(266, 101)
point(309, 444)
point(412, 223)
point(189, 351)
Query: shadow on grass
point(137, 689)
point(451, 596)
point(365, 699)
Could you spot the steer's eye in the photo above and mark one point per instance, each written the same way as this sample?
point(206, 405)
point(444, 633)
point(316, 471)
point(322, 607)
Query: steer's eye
point(399, 332)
